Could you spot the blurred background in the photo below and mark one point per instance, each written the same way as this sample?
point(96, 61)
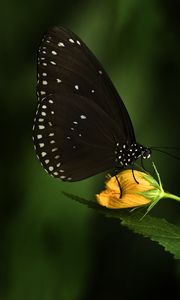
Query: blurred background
point(52, 248)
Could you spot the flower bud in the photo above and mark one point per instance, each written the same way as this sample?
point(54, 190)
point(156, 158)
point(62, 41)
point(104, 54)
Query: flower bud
point(138, 190)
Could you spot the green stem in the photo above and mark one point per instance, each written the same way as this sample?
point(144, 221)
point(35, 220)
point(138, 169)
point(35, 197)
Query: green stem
point(171, 196)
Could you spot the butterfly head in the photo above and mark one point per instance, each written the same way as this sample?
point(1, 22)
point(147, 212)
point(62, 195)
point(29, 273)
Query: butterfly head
point(146, 152)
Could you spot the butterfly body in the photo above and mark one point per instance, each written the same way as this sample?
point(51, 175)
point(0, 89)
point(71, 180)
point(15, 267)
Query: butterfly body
point(128, 154)
point(82, 126)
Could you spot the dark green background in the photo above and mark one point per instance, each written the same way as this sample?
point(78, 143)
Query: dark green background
point(52, 248)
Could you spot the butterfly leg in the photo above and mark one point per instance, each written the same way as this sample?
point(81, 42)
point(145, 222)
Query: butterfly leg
point(134, 175)
point(120, 188)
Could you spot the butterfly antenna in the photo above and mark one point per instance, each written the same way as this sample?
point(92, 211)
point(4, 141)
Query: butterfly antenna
point(165, 152)
point(165, 147)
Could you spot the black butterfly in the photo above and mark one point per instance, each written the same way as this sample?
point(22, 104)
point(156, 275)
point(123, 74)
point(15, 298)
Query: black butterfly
point(82, 126)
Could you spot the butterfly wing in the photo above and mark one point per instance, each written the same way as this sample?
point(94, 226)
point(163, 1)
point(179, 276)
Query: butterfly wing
point(67, 66)
point(74, 137)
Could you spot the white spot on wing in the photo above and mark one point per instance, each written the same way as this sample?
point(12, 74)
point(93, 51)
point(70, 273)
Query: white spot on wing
point(71, 41)
point(60, 44)
point(83, 117)
point(42, 92)
point(55, 173)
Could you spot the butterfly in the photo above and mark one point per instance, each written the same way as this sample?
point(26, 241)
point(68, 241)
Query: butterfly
point(81, 127)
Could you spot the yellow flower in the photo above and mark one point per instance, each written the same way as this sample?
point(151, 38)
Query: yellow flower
point(146, 192)
point(133, 194)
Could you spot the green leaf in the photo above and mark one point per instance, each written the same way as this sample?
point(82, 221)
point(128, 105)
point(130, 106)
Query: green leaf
point(158, 230)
